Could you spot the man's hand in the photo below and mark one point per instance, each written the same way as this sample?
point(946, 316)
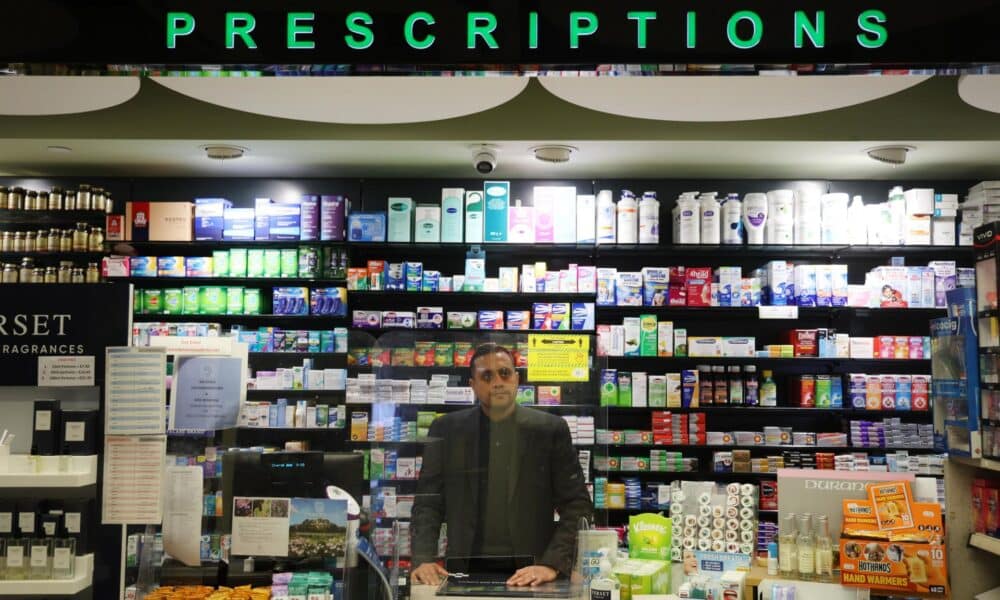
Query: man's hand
point(429, 574)
point(533, 575)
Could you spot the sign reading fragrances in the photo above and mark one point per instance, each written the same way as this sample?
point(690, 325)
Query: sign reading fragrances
point(58, 320)
point(500, 32)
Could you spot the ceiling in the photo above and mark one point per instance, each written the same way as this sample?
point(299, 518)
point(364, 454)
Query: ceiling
point(151, 130)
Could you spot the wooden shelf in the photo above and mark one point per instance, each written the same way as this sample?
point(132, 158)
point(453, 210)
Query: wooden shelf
point(980, 463)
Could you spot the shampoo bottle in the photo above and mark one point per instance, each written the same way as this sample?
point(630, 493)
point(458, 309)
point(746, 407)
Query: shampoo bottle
point(711, 228)
point(605, 217)
point(754, 217)
point(687, 219)
point(628, 218)
point(649, 219)
point(474, 217)
point(856, 222)
point(780, 226)
point(732, 220)
point(452, 215)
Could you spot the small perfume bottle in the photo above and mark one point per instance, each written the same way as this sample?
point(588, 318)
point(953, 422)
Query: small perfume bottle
point(806, 546)
point(787, 555)
point(40, 559)
point(824, 550)
point(17, 549)
point(63, 558)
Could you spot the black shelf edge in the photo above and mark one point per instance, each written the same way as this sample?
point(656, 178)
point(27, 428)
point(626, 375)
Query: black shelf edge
point(286, 430)
point(222, 244)
point(803, 360)
point(51, 217)
point(770, 410)
point(762, 447)
point(491, 296)
point(381, 330)
point(277, 355)
point(269, 393)
point(688, 474)
point(221, 281)
point(553, 407)
point(334, 321)
point(745, 311)
point(73, 255)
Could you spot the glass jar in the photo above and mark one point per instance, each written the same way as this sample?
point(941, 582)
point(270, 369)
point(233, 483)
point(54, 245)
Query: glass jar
point(7, 241)
point(53, 241)
point(93, 273)
point(55, 199)
point(51, 276)
point(69, 200)
point(15, 199)
point(65, 273)
point(17, 558)
point(31, 200)
point(18, 241)
point(29, 241)
point(38, 275)
point(66, 240)
point(109, 205)
point(76, 275)
point(63, 558)
point(80, 237)
point(27, 266)
point(9, 273)
point(95, 241)
point(40, 561)
point(3, 196)
point(43, 201)
point(97, 199)
point(83, 197)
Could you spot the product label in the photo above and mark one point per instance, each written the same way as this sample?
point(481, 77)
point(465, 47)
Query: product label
point(26, 522)
point(39, 556)
point(806, 561)
point(6, 522)
point(61, 558)
point(72, 522)
point(43, 420)
point(75, 431)
point(15, 557)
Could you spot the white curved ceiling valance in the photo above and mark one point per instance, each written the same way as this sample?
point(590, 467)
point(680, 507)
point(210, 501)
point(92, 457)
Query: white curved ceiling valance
point(981, 91)
point(735, 98)
point(55, 95)
point(352, 100)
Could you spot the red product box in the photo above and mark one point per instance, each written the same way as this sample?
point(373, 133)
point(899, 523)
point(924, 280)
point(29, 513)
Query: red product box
point(920, 394)
point(888, 392)
point(979, 506)
point(768, 494)
point(678, 286)
point(696, 439)
point(698, 281)
point(114, 228)
point(805, 342)
point(807, 391)
point(993, 509)
point(883, 346)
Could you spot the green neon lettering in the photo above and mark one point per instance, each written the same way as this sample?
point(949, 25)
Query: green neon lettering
point(734, 36)
point(692, 29)
point(641, 17)
point(411, 20)
point(874, 36)
point(816, 31)
point(240, 24)
point(178, 24)
point(533, 30)
point(295, 30)
point(481, 24)
point(578, 29)
point(361, 36)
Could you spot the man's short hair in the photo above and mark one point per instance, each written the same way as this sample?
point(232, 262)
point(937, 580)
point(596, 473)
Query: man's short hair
point(486, 350)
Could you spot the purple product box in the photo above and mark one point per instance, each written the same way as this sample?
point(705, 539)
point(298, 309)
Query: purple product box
point(262, 219)
point(332, 211)
point(367, 319)
point(309, 218)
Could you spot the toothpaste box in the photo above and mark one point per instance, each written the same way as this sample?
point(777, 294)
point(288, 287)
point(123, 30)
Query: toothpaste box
point(665, 338)
point(698, 281)
point(632, 335)
point(462, 320)
point(945, 279)
point(739, 346)
point(209, 218)
point(367, 319)
point(824, 285)
point(606, 286)
point(586, 279)
point(838, 285)
point(519, 320)
point(366, 227)
point(704, 346)
point(805, 285)
point(729, 279)
point(430, 317)
point(398, 319)
point(583, 316)
point(490, 319)
point(628, 288)
point(655, 286)
point(780, 289)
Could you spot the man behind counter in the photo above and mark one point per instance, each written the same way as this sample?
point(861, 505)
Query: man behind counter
point(496, 473)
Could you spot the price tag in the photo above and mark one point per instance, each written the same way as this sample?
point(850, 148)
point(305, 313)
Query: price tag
point(778, 312)
point(72, 521)
point(15, 556)
point(39, 556)
point(60, 559)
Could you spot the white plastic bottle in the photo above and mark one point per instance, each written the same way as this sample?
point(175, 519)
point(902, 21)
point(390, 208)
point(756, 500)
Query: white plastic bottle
point(687, 219)
point(780, 226)
point(606, 221)
point(732, 220)
point(711, 227)
point(628, 218)
point(754, 217)
point(649, 219)
point(808, 216)
point(896, 227)
point(834, 218)
point(857, 225)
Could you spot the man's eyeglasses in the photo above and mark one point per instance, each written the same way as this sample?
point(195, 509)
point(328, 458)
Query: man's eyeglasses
point(488, 375)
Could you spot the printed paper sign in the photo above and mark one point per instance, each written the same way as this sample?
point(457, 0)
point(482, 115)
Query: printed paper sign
point(553, 358)
point(65, 371)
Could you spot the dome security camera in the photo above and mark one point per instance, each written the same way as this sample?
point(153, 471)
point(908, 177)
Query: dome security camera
point(485, 161)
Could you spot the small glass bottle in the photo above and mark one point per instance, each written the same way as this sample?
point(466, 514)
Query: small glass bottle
point(17, 558)
point(66, 240)
point(77, 276)
point(56, 199)
point(3, 196)
point(39, 559)
point(7, 241)
point(805, 544)
point(788, 558)
point(51, 275)
point(109, 204)
point(83, 197)
point(63, 558)
point(93, 273)
point(27, 266)
point(768, 390)
point(15, 199)
point(736, 395)
point(80, 237)
point(18, 241)
point(3, 559)
point(43, 201)
point(824, 550)
point(29, 241)
point(10, 273)
point(721, 384)
point(65, 274)
point(751, 386)
point(38, 275)
point(97, 199)
point(95, 241)
point(69, 201)
point(53, 241)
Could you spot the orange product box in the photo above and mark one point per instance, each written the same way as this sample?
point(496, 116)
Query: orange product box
point(402, 357)
point(894, 566)
point(891, 501)
point(873, 392)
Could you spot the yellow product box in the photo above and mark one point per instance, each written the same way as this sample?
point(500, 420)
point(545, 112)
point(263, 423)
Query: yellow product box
point(444, 354)
point(891, 502)
point(359, 426)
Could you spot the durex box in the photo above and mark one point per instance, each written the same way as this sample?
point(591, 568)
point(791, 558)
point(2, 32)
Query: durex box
point(332, 211)
point(655, 286)
point(209, 218)
point(497, 199)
